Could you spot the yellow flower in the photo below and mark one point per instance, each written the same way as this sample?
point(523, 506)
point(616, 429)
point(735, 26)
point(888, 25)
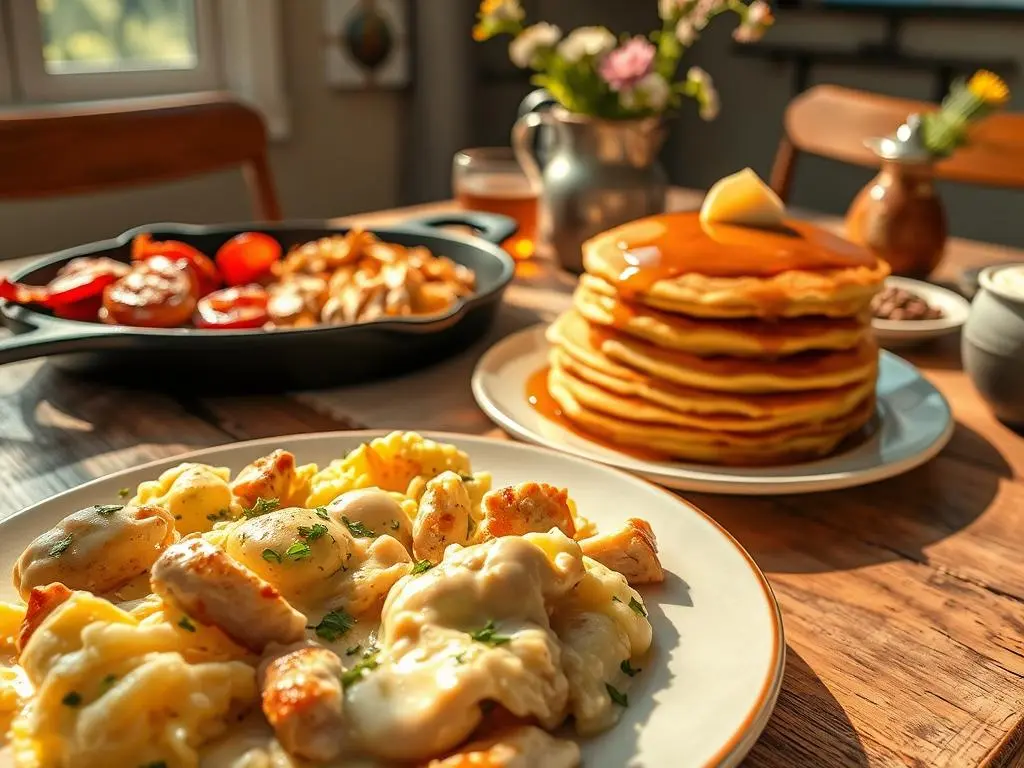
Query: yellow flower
point(989, 88)
point(501, 10)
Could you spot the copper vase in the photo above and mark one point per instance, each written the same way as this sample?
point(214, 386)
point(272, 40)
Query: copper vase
point(900, 217)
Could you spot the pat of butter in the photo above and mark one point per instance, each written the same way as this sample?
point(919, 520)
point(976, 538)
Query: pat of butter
point(744, 200)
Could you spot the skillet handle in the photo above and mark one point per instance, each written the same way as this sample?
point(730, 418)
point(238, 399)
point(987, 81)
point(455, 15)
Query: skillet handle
point(55, 340)
point(492, 227)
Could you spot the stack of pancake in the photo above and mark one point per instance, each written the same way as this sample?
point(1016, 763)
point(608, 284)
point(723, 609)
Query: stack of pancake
point(719, 343)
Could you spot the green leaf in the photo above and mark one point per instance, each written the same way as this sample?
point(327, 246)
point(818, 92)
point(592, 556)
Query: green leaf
point(489, 635)
point(107, 509)
point(321, 512)
point(124, 493)
point(271, 556)
point(352, 676)
point(357, 529)
point(261, 507)
point(312, 533)
point(617, 696)
point(333, 625)
point(61, 546)
point(637, 607)
point(628, 669)
point(298, 551)
point(422, 566)
point(187, 624)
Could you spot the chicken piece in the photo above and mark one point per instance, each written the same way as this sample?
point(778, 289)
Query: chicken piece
point(525, 746)
point(445, 517)
point(325, 255)
point(302, 699)
point(526, 508)
point(378, 511)
point(269, 477)
point(41, 603)
point(210, 586)
point(99, 548)
point(392, 292)
point(296, 302)
point(632, 551)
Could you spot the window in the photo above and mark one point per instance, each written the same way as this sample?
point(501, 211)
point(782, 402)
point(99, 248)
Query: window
point(81, 50)
point(64, 50)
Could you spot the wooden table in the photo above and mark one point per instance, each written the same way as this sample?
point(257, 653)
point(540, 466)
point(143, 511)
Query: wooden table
point(903, 601)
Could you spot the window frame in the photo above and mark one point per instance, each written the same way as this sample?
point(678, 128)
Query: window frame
point(36, 85)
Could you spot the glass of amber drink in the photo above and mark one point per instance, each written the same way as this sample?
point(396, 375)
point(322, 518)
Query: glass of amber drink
point(489, 179)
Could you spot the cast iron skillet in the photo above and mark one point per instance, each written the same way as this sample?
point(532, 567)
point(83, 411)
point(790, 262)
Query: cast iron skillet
point(207, 361)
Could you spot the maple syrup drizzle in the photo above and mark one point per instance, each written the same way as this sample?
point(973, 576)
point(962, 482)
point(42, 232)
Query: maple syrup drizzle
point(664, 247)
point(540, 399)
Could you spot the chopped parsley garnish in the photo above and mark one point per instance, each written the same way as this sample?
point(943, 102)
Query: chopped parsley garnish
point(366, 664)
point(466, 478)
point(489, 635)
point(298, 551)
point(71, 699)
point(107, 509)
point(617, 696)
point(124, 493)
point(59, 548)
point(333, 625)
point(219, 516)
point(261, 507)
point(460, 657)
point(312, 533)
point(177, 517)
point(187, 624)
point(271, 556)
point(352, 650)
point(357, 529)
point(637, 607)
point(422, 566)
point(107, 683)
point(321, 512)
point(395, 525)
point(628, 669)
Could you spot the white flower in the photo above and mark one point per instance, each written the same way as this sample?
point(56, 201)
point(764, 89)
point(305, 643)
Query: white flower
point(704, 92)
point(586, 41)
point(667, 9)
point(685, 32)
point(710, 106)
point(759, 13)
point(524, 48)
point(651, 92)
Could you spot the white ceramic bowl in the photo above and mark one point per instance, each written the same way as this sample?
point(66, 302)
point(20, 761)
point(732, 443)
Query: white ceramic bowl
point(904, 333)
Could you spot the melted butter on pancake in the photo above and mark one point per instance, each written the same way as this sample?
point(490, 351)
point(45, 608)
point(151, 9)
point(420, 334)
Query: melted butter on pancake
point(664, 247)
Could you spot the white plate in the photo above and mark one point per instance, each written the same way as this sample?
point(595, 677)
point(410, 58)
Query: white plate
point(913, 422)
point(709, 686)
point(902, 333)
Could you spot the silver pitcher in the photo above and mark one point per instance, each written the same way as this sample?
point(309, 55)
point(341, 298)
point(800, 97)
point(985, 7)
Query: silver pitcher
point(593, 174)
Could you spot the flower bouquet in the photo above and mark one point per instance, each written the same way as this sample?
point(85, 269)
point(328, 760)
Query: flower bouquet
point(591, 72)
point(946, 129)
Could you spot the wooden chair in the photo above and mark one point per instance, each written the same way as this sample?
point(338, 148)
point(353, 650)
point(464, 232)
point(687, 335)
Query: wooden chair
point(50, 151)
point(833, 122)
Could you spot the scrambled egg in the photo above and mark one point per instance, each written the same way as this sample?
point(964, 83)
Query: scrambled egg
point(197, 495)
point(411, 614)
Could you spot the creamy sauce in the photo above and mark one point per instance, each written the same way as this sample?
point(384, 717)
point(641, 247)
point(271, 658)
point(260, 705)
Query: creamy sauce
point(1010, 280)
point(668, 246)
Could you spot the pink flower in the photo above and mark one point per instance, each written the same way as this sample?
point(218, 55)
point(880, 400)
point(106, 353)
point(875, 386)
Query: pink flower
point(628, 64)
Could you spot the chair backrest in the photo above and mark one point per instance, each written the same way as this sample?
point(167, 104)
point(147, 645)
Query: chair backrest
point(833, 122)
point(51, 151)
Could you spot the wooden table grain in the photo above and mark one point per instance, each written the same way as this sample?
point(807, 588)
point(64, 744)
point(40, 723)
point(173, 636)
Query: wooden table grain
point(903, 601)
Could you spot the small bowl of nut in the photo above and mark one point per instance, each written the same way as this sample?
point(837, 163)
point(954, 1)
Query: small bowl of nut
point(908, 312)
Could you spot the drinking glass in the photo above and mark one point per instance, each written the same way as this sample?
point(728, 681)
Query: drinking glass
point(489, 179)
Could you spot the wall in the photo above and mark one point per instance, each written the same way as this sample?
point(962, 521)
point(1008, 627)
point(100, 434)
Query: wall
point(342, 157)
point(754, 95)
